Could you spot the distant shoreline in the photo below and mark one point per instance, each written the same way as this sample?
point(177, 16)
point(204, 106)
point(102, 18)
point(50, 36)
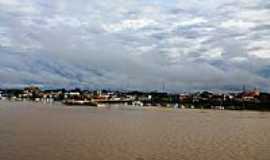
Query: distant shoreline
point(130, 107)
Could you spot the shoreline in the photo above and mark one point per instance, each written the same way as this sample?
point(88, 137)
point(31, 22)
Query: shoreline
point(131, 107)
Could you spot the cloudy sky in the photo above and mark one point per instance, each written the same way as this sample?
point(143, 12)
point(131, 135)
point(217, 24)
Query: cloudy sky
point(135, 44)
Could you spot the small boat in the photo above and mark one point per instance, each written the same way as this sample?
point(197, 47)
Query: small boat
point(79, 102)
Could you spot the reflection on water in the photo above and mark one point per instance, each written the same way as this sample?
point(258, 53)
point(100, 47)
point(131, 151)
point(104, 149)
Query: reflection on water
point(31, 131)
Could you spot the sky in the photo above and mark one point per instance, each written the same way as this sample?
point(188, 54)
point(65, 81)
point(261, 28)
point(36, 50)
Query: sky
point(135, 44)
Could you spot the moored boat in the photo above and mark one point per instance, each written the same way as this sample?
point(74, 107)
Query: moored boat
point(80, 102)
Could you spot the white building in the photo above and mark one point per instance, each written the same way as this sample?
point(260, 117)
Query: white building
point(71, 94)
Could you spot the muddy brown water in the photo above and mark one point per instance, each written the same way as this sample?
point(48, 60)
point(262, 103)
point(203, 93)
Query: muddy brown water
point(32, 131)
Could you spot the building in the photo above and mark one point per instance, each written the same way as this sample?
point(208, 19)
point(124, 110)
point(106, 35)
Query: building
point(250, 95)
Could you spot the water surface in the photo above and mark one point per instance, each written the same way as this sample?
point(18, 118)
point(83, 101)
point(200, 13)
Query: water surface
point(32, 131)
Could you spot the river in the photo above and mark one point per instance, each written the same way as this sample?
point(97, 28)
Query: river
point(33, 131)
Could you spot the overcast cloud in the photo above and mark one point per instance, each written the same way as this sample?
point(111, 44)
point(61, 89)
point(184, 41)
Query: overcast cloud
point(135, 44)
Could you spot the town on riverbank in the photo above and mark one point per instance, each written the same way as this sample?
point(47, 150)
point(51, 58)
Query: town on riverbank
point(244, 100)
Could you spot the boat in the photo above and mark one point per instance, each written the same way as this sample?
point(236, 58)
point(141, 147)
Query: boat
point(79, 102)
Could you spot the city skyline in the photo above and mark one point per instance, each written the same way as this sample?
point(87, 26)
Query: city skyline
point(135, 44)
